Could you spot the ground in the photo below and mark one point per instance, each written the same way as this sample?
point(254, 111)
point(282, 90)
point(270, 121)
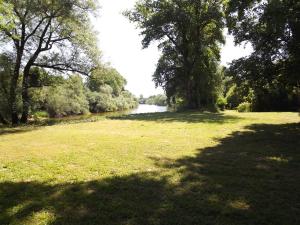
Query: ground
point(167, 168)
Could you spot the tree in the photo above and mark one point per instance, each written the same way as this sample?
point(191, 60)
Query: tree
point(189, 33)
point(272, 70)
point(47, 34)
point(105, 75)
point(106, 91)
point(160, 100)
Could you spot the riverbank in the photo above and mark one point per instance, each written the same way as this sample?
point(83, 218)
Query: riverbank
point(153, 168)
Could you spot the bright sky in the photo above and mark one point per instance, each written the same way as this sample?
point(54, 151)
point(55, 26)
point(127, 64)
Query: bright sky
point(121, 46)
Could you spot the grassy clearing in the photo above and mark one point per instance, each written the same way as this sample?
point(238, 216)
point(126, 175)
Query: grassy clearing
point(166, 168)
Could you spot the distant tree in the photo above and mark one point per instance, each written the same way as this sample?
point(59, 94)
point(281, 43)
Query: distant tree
point(160, 100)
point(142, 100)
point(189, 34)
point(50, 34)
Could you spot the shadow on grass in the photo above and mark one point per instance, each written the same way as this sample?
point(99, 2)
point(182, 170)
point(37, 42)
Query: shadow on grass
point(188, 117)
point(18, 130)
point(35, 125)
point(164, 117)
point(251, 177)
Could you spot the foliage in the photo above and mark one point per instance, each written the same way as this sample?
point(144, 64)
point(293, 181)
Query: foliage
point(272, 70)
point(47, 34)
point(244, 107)
point(160, 100)
point(221, 103)
point(66, 99)
point(106, 91)
point(106, 102)
point(40, 115)
point(46, 40)
point(142, 100)
point(6, 70)
point(189, 34)
point(105, 75)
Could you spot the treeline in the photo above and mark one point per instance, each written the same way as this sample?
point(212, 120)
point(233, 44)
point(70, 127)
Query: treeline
point(160, 100)
point(58, 96)
point(190, 35)
point(46, 49)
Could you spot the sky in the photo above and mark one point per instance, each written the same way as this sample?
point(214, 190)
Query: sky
point(120, 43)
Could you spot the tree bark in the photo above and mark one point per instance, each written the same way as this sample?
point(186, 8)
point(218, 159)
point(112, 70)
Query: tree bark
point(189, 93)
point(19, 45)
point(25, 95)
point(13, 87)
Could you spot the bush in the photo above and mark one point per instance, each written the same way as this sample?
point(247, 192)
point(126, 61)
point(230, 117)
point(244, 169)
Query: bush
point(105, 102)
point(67, 99)
point(244, 107)
point(221, 103)
point(160, 100)
point(41, 114)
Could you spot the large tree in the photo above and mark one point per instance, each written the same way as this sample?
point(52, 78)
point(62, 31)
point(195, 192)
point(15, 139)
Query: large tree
point(273, 29)
point(52, 34)
point(189, 33)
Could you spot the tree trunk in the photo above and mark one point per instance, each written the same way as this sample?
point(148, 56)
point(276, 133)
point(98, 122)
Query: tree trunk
point(25, 96)
point(25, 87)
point(14, 84)
point(189, 93)
point(13, 96)
point(198, 97)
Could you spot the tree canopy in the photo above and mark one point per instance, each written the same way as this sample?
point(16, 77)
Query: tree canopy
point(47, 34)
point(189, 34)
point(272, 70)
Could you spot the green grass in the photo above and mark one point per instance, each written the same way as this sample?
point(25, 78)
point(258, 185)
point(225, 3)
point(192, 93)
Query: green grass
point(166, 168)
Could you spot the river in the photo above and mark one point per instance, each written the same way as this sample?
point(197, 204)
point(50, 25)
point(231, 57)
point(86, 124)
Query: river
point(144, 108)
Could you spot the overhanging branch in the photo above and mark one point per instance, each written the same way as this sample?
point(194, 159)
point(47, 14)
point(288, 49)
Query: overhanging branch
point(62, 68)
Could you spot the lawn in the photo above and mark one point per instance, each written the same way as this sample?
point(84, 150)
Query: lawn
point(166, 168)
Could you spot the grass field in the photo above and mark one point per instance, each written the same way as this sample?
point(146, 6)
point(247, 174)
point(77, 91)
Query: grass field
point(165, 168)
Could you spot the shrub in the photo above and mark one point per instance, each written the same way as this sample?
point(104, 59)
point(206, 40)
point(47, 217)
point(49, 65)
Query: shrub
point(105, 102)
point(221, 103)
point(41, 114)
point(67, 99)
point(160, 100)
point(244, 107)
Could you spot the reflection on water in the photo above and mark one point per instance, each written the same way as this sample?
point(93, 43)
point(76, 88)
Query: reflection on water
point(144, 108)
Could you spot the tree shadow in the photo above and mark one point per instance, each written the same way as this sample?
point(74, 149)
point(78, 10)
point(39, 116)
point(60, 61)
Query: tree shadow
point(38, 124)
point(119, 200)
point(164, 117)
point(187, 117)
point(16, 130)
point(250, 177)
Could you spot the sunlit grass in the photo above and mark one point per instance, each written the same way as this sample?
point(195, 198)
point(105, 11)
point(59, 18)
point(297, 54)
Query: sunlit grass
point(165, 168)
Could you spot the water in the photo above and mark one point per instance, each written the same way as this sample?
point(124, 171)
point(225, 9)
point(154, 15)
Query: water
point(144, 108)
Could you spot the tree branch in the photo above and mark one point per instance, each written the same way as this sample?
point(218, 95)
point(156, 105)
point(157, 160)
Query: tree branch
point(35, 29)
point(61, 67)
